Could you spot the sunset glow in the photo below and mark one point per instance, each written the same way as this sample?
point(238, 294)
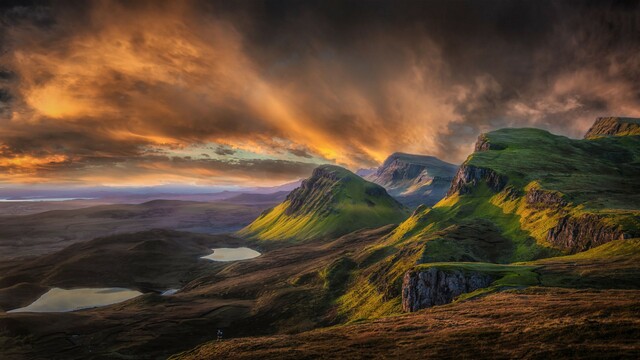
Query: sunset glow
point(100, 85)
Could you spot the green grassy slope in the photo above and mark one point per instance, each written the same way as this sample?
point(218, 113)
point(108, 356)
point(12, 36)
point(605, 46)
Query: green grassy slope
point(333, 202)
point(581, 177)
point(598, 173)
point(549, 178)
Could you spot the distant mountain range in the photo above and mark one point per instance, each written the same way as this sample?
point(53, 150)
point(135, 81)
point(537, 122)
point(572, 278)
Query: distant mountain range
point(137, 194)
point(414, 179)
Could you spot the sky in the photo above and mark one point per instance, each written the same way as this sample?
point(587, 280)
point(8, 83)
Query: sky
point(260, 92)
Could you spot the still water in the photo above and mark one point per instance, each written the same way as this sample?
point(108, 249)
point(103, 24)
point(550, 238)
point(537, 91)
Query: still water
point(61, 300)
point(231, 254)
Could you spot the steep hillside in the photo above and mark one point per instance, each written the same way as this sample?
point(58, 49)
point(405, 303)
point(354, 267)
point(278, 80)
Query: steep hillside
point(524, 194)
point(565, 194)
point(414, 179)
point(332, 202)
point(614, 126)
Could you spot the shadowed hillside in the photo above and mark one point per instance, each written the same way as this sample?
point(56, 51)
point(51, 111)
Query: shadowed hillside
point(49, 231)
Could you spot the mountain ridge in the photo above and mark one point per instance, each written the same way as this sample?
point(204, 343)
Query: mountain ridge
point(523, 195)
point(332, 202)
point(414, 179)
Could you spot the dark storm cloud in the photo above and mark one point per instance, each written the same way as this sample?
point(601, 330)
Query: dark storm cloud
point(300, 153)
point(85, 85)
point(223, 150)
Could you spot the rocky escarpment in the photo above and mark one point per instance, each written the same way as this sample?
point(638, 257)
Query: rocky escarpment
point(414, 179)
point(469, 176)
point(433, 286)
point(484, 144)
point(539, 198)
point(576, 234)
point(613, 126)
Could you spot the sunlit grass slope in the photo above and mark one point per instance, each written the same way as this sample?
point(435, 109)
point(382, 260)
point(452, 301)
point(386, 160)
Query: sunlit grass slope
point(598, 173)
point(332, 202)
point(546, 179)
point(582, 177)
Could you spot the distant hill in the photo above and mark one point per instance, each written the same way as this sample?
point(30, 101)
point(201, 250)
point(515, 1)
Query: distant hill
point(414, 179)
point(46, 232)
point(248, 198)
point(333, 201)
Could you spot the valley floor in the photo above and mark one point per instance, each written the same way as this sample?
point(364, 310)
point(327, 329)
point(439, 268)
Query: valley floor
point(533, 323)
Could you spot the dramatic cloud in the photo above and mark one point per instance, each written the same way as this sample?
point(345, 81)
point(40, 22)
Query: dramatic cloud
point(150, 92)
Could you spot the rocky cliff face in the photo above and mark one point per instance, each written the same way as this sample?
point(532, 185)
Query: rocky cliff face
point(484, 144)
point(613, 126)
point(433, 286)
point(539, 198)
point(576, 234)
point(469, 176)
point(414, 179)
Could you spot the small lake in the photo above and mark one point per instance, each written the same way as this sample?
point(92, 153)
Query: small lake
point(61, 300)
point(231, 254)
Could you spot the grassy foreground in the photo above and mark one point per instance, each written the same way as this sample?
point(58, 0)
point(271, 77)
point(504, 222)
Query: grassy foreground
point(585, 305)
point(537, 323)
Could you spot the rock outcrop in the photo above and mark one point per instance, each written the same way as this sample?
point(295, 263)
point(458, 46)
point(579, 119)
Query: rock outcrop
point(576, 234)
point(484, 144)
point(539, 198)
point(613, 126)
point(469, 176)
point(433, 286)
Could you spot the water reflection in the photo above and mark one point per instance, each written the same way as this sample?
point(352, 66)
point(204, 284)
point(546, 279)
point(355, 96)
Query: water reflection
point(232, 254)
point(62, 300)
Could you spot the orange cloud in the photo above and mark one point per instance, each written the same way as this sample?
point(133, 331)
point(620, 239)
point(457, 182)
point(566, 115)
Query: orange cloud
point(114, 88)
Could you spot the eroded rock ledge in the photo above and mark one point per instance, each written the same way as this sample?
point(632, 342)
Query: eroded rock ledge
point(576, 234)
point(543, 198)
point(433, 286)
point(483, 144)
point(469, 176)
point(613, 126)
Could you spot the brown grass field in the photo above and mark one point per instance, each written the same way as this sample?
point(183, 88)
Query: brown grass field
point(536, 323)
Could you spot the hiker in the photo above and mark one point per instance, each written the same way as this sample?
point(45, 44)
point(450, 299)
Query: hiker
point(219, 334)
